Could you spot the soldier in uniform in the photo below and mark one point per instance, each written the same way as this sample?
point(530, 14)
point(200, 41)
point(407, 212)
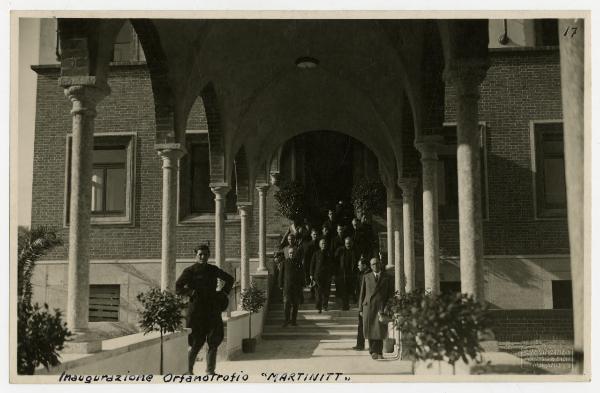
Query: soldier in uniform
point(199, 282)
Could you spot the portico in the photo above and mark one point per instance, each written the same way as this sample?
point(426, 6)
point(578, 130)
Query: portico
point(373, 87)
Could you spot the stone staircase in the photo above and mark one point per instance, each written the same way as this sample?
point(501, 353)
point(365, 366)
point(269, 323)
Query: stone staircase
point(333, 324)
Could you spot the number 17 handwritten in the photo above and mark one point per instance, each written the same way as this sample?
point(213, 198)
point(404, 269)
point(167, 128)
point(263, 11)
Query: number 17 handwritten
point(573, 31)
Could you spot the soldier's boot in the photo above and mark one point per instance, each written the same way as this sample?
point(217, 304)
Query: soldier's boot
point(211, 360)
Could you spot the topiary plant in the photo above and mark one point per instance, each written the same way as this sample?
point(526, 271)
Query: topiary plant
point(290, 201)
point(368, 197)
point(446, 327)
point(161, 311)
point(253, 299)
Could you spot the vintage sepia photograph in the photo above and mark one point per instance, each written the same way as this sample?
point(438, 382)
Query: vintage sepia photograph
point(229, 197)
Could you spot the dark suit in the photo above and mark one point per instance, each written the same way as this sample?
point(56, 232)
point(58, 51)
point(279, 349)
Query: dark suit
point(360, 335)
point(290, 282)
point(199, 282)
point(346, 260)
point(374, 295)
point(320, 270)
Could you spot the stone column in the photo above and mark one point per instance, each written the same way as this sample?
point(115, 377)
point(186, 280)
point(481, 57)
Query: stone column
point(84, 99)
point(408, 230)
point(397, 225)
point(466, 77)
point(220, 191)
point(428, 147)
point(572, 66)
point(262, 227)
point(390, 233)
point(244, 209)
point(170, 153)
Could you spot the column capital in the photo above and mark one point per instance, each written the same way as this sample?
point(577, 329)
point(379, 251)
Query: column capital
point(85, 97)
point(275, 178)
point(170, 151)
point(408, 184)
point(244, 208)
point(263, 187)
point(428, 146)
point(219, 189)
point(466, 75)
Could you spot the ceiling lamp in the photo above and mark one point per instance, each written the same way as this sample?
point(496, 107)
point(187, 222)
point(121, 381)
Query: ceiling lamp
point(306, 62)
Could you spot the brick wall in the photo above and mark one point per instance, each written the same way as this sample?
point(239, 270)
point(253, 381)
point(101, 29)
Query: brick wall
point(521, 86)
point(518, 325)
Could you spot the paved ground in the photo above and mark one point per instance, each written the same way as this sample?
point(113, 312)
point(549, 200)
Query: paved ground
point(309, 357)
point(552, 356)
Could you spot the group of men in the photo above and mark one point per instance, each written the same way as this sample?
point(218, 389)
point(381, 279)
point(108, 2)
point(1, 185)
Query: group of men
point(304, 261)
point(347, 256)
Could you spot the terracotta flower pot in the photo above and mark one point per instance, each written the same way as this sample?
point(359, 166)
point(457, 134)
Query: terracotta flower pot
point(388, 345)
point(248, 345)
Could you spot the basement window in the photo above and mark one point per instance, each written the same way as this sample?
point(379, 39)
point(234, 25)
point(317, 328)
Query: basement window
point(562, 295)
point(104, 303)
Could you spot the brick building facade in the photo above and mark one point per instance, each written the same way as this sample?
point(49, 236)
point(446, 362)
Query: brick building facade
point(525, 252)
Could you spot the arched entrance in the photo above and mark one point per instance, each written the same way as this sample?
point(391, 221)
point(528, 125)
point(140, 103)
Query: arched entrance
point(328, 164)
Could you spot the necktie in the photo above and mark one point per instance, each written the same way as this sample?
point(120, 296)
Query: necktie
point(376, 277)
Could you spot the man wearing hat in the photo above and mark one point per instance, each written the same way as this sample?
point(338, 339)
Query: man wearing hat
point(199, 282)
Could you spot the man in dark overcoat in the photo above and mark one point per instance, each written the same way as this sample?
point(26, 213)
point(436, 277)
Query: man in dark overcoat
point(291, 280)
point(377, 287)
point(346, 258)
point(320, 272)
point(310, 248)
point(199, 282)
point(363, 269)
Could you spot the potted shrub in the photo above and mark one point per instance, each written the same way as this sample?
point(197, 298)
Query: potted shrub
point(368, 198)
point(161, 311)
point(436, 329)
point(290, 201)
point(41, 334)
point(253, 299)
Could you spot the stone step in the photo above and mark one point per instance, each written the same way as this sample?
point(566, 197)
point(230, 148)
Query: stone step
point(311, 306)
point(307, 328)
point(293, 333)
point(311, 313)
point(312, 319)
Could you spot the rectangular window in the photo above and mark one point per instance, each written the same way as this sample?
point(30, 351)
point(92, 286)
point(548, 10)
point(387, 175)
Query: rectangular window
point(196, 199)
point(549, 169)
point(104, 303)
point(562, 295)
point(112, 179)
point(201, 197)
point(109, 180)
point(447, 177)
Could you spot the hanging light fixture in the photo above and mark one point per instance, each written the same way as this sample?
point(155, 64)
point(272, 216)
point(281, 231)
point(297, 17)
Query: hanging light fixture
point(306, 62)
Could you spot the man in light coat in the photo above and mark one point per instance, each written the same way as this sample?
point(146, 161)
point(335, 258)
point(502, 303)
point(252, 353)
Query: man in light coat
point(376, 288)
